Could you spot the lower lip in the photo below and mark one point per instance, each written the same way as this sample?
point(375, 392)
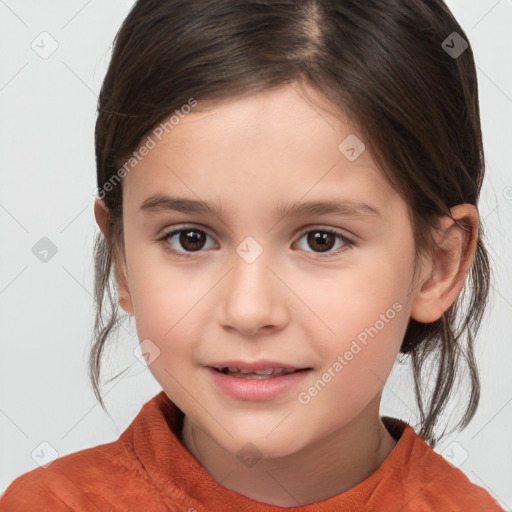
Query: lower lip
point(256, 389)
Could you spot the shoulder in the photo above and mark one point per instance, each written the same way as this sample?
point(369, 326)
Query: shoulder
point(67, 482)
point(429, 482)
point(437, 481)
point(110, 476)
point(78, 481)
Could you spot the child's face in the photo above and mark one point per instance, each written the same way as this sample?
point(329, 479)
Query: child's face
point(343, 315)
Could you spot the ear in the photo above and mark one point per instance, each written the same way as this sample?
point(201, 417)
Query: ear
point(443, 275)
point(101, 213)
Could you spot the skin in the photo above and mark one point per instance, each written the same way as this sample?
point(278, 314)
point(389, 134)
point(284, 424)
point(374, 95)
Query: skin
point(290, 304)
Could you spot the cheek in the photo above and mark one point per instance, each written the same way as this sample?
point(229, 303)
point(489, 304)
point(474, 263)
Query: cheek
point(162, 290)
point(356, 362)
point(373, 283)
point(366, 308)
point(166, 302)
point(168, 315)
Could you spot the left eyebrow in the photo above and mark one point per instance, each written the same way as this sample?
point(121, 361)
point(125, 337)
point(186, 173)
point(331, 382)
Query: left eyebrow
point(347, 208)
point(344, 208)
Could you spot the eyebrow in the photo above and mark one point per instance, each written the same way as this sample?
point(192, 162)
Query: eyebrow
point(160, 203)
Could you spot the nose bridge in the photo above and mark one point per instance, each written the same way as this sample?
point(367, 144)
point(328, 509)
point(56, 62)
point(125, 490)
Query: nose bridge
point(251, 295)
point(250, 275)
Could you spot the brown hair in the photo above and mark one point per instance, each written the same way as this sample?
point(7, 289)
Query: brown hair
point(381, 62)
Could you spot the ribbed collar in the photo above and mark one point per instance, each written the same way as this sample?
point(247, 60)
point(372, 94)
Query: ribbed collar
point(154, 438)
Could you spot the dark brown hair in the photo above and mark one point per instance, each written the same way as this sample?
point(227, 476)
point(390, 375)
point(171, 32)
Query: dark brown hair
point(383, 63)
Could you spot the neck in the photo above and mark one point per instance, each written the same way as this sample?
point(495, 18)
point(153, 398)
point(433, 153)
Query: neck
point(325, 468)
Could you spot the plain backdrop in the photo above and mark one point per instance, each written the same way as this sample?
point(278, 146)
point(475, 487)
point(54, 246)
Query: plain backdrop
point(47, 118)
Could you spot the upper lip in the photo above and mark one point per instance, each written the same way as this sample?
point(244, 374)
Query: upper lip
point(254, 365)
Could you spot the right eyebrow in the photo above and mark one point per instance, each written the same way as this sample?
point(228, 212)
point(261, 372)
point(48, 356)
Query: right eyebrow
point(159, 202)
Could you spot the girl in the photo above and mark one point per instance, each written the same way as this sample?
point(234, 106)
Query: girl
point(287, 197)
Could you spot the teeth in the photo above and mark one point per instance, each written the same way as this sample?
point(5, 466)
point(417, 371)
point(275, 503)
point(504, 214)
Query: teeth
point(269, 372)
point(263, 372)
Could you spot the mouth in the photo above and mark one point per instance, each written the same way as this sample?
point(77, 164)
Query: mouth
point(261, 370)
point(258, 374)
point(256, 381)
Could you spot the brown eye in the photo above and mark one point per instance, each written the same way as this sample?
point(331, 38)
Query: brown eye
point(324, 240)
point(192, 240)
point(184, 241)
point(321, 240)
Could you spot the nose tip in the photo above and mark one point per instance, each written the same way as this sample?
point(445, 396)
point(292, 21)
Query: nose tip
point(250, 300)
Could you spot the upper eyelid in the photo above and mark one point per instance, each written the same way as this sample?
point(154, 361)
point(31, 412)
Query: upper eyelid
point(178, 228)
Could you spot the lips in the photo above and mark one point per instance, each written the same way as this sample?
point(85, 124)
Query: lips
point(243, 381)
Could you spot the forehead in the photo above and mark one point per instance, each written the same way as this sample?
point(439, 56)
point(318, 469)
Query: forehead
point(273, 146)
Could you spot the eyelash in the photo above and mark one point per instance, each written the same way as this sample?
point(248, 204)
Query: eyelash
point(349, 244)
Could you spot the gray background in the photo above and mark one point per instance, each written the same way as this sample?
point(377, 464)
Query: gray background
point(47, 116)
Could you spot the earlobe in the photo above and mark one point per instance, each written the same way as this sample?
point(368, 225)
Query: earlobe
point(123, 291)
point(449, 267)
point(101, 214)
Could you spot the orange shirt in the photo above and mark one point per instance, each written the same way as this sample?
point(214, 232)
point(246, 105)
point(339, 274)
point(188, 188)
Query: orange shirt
point(149, 470)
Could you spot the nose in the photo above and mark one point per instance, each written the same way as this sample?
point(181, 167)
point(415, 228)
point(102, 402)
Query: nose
point(252, 297)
